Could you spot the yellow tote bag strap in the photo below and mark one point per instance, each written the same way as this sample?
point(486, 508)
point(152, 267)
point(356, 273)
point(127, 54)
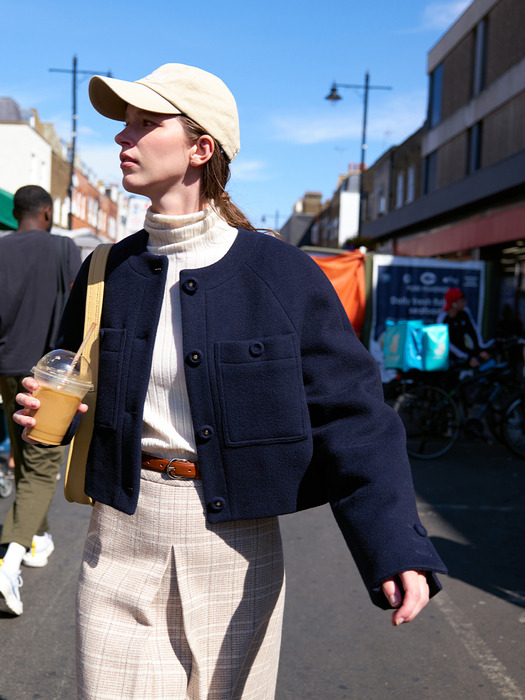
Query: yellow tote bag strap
point(79, 448)
point(94, 300)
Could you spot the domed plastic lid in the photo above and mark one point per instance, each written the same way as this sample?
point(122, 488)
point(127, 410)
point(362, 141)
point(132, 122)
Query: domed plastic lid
point(56, 366)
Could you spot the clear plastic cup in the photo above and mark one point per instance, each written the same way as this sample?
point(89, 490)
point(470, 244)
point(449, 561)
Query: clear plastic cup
point(60, 393)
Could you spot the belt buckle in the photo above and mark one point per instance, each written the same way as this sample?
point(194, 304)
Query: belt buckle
point(176, 476)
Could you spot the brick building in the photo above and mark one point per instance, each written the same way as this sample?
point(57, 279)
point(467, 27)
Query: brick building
point(31, 153)
point(332, 224)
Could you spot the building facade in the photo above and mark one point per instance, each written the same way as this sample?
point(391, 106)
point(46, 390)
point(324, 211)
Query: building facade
point(471, 202)
point(25, 156)
point(31, 153)
point(338, 222)
point(333, 224)
point(305, 210)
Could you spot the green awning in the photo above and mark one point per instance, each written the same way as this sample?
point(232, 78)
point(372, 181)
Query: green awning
point(7, 220)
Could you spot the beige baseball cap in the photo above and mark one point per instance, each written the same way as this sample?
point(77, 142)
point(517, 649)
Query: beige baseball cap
point(174, 89)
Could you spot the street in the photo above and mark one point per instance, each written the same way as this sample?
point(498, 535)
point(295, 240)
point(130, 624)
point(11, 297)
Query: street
point(468, 642)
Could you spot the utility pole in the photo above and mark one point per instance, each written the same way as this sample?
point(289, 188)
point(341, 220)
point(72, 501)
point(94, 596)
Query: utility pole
point(75, 71)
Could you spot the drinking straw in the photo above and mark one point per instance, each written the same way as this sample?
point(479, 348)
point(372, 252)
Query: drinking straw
point(79, 351)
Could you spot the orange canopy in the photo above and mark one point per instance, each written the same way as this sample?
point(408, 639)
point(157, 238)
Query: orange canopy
point(346, 271)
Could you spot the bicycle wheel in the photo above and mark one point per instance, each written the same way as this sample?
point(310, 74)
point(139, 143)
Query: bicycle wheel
point(431, 421)
point(6, 487)
point(513, 426)
point(6, 483)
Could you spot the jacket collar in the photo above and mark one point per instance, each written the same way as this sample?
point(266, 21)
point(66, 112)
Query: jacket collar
point(143, 262)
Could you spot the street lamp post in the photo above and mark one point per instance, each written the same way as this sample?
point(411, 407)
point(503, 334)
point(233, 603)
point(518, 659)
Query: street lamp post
point(75, 72)
point(265, 216)
point(334, 96)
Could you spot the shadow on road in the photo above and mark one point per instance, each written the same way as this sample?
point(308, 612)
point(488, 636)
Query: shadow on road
point(479, 490)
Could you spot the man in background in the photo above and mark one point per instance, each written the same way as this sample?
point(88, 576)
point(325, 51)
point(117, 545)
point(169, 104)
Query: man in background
point(35, 268)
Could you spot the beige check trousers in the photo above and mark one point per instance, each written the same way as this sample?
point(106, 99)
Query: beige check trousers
point(173, 608)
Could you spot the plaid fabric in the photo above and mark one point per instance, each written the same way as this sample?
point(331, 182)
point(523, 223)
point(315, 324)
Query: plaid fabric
point(173, 608)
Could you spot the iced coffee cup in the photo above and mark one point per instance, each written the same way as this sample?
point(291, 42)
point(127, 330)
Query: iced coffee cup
point(64, 380)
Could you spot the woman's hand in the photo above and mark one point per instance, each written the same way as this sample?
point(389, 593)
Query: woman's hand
point(30, 404)
point(410, 599)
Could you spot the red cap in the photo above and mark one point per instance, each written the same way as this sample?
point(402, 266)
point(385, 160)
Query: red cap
point(452, 295)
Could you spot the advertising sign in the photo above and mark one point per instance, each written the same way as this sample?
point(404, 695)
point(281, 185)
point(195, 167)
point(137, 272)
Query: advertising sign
point(413, 288)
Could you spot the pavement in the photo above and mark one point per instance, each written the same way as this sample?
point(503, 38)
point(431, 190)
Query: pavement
point(467, 643)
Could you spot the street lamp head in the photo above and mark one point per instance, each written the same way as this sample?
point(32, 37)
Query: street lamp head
point(334, 96)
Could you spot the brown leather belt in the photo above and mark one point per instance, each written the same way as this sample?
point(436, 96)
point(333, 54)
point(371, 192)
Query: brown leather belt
point(174, 468)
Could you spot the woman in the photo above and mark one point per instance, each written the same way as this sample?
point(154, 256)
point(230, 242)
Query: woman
point(227, 348)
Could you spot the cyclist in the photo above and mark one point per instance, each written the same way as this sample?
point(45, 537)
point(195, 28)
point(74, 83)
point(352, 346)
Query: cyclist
point(466, 345)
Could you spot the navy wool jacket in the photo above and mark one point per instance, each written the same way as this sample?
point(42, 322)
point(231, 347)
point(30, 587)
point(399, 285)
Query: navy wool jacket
point(286, 402)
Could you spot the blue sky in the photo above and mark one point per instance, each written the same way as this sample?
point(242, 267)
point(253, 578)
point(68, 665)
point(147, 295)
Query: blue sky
point(279, 58)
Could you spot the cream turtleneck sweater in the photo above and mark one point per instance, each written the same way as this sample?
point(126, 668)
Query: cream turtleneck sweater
point(190, 241)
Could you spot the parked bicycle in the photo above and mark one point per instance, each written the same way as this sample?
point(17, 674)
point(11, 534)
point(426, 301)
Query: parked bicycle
point(486, 402)
point(513, 425)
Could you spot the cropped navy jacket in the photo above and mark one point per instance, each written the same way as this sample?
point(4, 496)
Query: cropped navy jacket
point(286, 403)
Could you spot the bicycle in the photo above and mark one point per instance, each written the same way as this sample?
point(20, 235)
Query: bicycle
point(513, 425)
point(435, 413)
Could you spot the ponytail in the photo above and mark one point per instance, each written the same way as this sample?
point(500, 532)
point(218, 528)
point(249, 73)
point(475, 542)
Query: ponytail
point(215, 176)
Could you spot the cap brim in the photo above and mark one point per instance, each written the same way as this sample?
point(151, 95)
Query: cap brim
point(110, 97)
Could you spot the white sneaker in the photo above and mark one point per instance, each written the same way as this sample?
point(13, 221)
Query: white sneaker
point(10, 584)
point(41, 547)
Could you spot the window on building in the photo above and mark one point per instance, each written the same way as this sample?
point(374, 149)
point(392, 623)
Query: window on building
point(381, 199)
point(400, 189)
point(480, 57)
point(430, 173)
point(411, 184)
point(474, 148)
point(434, 96)
point(363, 212)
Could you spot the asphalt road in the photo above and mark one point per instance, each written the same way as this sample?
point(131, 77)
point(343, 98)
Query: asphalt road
point(468, 643)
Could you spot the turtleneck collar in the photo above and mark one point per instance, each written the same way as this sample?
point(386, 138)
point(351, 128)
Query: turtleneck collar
point(195, 240)
point(165, 229)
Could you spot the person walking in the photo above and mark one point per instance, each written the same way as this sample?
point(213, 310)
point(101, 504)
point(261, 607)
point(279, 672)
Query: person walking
point(31, 301)
point(231, 389)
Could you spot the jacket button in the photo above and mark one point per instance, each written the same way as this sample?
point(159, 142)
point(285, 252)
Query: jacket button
point(129, 490)
point(256, 349)
point(205, 433)
point(420, 529)
point(216, 505)
point(190, 286)
point(194, 358)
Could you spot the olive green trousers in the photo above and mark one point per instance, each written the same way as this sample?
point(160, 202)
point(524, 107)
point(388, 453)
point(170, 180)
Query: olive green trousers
point(36, 470)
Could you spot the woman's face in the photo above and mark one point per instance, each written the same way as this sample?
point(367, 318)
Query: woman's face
point(155, 155)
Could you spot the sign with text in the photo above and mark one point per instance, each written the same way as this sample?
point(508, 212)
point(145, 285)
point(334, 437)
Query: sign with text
point(413, 288)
